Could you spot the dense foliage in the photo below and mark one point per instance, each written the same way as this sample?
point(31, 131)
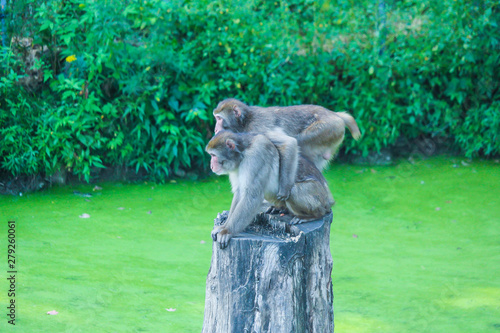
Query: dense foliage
point(90, 84)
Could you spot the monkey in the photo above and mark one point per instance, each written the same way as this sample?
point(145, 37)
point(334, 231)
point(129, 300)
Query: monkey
point(252, 162)
point(317, 130)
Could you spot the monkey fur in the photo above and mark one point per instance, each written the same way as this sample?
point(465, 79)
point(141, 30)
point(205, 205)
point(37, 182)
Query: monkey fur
point(318, 131)
point(252, 162)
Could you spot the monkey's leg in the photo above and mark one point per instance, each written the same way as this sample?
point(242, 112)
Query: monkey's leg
point(288, 151)
point(320, 140)
point(308, 201)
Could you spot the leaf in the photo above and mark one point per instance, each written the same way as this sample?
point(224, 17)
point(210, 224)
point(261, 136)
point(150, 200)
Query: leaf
point(174, 104)
point(154, 105)
point(44, 26)
point(97, 163)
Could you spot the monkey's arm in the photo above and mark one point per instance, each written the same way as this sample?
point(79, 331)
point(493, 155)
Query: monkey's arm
point(234, 203)
point(288, 151)
point(240, 216)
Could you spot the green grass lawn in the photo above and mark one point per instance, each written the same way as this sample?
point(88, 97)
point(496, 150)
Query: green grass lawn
point(416, 248)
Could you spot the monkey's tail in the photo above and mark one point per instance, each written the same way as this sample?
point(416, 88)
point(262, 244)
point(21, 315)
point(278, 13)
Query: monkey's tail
point(350, 123)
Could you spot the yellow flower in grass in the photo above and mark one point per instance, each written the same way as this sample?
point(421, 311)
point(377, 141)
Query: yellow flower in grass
point(71, 58)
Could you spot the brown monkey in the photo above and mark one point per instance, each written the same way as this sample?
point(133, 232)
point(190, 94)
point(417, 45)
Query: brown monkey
point(319, 131)
point(252, 162)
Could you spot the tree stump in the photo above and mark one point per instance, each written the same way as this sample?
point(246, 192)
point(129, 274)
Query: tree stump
point(272, 278)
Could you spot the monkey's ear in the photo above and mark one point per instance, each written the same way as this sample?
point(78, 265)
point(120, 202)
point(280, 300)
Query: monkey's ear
point(237, 111)
point(231, 144)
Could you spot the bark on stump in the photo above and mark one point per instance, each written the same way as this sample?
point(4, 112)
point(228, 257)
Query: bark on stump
point(272, 278)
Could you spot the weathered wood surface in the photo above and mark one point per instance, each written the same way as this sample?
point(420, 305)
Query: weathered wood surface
point(272, 278)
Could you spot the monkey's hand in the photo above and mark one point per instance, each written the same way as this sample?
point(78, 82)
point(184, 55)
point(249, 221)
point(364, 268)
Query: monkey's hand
point(222, 236)
point(283, 193)
point(216, 230)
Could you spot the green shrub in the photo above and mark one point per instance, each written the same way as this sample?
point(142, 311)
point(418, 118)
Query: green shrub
point(92, 84)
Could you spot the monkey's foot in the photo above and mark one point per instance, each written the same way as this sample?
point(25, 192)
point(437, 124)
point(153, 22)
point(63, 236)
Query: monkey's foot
point(298, 220)
point(273, 210)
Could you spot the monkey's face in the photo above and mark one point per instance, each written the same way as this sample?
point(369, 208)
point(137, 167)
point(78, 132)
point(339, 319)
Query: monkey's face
point(220, 163)
point(225, 156)
point(228, 116)
point(215, 163)
point(219, 124)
